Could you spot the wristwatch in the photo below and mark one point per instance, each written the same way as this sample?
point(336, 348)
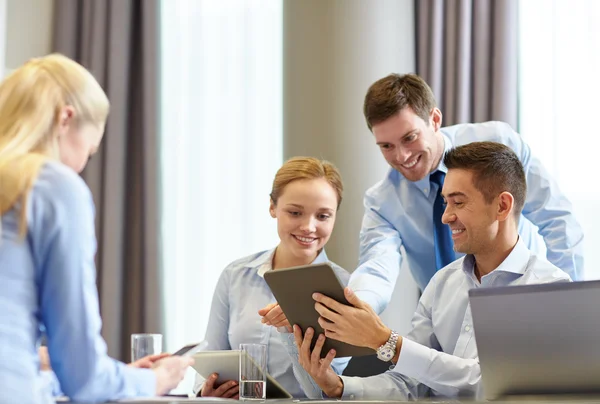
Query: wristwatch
point(387, 351)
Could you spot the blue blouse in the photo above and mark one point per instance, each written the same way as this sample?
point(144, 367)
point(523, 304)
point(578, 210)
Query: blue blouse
point(48, 281)
point(241, 291)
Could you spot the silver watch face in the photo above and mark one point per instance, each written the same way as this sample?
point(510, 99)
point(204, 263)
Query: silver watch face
point(385, 353)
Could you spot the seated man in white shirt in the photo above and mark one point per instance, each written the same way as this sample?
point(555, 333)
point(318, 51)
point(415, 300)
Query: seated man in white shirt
point(484, 191)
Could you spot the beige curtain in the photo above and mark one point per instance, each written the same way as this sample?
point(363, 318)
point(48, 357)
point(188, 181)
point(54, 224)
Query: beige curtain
point(118, 41)
point(467, 52)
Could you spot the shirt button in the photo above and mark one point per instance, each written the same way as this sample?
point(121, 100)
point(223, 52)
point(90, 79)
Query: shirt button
point(467, 328)
point(425, 190)
point(352, 396)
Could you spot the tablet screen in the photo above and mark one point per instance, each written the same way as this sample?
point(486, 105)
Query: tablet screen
point(293, 289)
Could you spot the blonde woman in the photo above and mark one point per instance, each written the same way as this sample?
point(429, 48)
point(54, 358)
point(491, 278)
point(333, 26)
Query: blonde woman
point(305, 197)
point(52, 117)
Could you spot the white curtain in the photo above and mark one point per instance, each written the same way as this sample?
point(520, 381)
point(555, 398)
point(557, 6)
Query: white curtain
point(3, 35)
point(221, 146)
point(559, 87)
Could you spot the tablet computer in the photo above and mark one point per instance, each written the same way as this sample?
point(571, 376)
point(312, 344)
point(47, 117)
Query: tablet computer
point(227, 365)
point(293, 289)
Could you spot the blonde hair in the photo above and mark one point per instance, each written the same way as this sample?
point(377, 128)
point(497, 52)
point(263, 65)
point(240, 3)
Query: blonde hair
point(31, 100)
point(306, 168)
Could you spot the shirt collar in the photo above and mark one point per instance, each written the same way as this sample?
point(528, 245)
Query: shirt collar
point(264, 262)
point(447, 146)
point(515, 263)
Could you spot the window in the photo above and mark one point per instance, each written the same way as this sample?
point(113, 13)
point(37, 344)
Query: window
point(559, 87)
point(221, 144)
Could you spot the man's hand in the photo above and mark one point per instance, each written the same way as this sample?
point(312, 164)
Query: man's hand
point(274, 316)
point(147, 361)
point(227, 389)
point(356, 325)
point(319, 369)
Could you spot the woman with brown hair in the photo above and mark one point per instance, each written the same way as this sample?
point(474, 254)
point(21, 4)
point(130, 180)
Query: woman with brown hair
point(305, 197)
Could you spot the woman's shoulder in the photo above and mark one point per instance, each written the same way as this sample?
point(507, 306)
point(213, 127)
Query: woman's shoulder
point(58, 194)
point(58, 182)
point(252, 261)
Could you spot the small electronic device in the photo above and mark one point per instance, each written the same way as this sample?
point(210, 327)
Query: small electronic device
point(227, 365)
point(293, 289)
point(191, 349)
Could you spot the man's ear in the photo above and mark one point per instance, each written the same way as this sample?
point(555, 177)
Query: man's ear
point(506, 204)
point(272, 207)
point(436, 119)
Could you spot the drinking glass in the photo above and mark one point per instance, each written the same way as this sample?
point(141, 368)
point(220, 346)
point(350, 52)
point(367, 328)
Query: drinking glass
point(144, 345)
point(253, 371)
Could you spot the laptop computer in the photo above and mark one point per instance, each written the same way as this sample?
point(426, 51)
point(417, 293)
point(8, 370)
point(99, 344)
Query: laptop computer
point(538, 339)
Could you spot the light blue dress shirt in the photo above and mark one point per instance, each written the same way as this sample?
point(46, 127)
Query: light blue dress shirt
point(48, 280)
point(241, 291)
point(439, 356)
point(399, 214)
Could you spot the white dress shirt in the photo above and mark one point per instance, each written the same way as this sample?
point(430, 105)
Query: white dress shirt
point(439, 356)
point(241, 291)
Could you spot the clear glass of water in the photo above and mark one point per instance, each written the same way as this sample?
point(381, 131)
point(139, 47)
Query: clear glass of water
point(253, 371)
point(144, 345)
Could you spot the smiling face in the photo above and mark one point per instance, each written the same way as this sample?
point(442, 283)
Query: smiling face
point(305, 213)
point(473, 221)
point(409, 144)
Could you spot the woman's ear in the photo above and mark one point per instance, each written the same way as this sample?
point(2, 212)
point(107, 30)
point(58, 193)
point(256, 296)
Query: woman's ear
point(66, 117)
point(272, 208)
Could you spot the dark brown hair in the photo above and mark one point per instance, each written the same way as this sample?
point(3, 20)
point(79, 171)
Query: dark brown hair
point(496, 169)
point(306, 168)
point(389, 95)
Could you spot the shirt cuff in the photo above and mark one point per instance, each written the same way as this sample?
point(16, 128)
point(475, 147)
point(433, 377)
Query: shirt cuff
point(51, 381)
point(414, 359)
point(287, 338)
point(353, 388)
point(144, 381)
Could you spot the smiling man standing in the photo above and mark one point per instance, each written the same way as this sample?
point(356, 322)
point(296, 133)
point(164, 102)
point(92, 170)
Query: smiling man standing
point(405, 208)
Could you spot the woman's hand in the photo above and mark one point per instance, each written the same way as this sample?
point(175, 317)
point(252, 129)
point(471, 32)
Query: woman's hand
point(318, 368)
point(147, 362)
point(227, 389)
point(169, 372)
point(274, 316)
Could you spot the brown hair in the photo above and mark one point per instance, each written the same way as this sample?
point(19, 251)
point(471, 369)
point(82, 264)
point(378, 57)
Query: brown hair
point(496, 169)
point(306, 168)
point(389, 95)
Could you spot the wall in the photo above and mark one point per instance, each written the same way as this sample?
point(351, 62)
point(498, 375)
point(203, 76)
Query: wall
point(28, 30)
point(333, 51)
